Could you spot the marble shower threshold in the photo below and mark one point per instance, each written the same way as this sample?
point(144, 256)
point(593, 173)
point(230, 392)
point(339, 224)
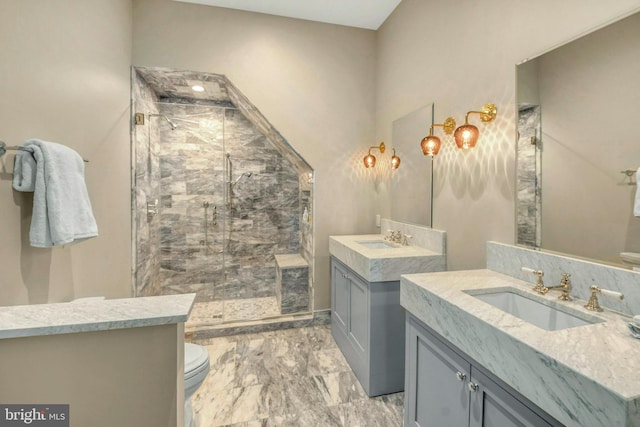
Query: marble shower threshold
point(194, 331)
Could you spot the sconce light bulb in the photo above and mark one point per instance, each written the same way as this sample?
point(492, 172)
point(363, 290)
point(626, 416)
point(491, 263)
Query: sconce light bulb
point(395, 161)
point(369, 160)
point(430, 145)
point(466, 136)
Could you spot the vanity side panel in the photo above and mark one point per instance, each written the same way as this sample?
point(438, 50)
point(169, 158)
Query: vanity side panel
point(339, 296)
point(123, 377)
point(387, 341)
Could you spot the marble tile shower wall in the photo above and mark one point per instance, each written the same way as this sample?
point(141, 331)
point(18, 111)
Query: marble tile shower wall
point(146, 188)
point(233, 256)
point(306, 224)
point(529, 177)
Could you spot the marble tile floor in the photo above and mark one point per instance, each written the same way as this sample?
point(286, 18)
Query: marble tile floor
point(290, 377)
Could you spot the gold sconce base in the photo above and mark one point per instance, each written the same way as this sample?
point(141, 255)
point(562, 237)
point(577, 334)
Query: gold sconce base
point(449, 125)
point(488, 113)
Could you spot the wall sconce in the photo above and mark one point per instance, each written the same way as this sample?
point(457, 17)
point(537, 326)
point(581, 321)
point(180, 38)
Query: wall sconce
point(370, 159)
point(466, 135)
point(431, 144)
point(395, 160)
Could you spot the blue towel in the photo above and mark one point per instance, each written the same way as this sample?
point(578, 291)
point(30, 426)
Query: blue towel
point(61, 207)
point(24, 172)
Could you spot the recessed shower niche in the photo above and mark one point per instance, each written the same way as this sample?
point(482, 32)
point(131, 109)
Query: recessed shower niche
point(217, 194)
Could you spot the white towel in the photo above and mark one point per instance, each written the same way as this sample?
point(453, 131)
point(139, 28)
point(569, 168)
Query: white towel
point(636, 205)
point(61, 208)
point(24, 172)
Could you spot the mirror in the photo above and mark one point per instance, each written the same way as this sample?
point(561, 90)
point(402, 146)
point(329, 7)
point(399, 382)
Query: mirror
point(412, 182)
point(578, 108)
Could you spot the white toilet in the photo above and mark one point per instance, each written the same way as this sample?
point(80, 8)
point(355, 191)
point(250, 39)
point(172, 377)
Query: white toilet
point(196, 368)
point(632, 259)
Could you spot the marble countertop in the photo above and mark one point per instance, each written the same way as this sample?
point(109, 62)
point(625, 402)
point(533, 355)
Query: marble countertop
point(386, 264)
point(586, 376)
point(100, 315)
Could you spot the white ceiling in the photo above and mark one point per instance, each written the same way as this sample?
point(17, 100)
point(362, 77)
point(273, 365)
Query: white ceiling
point(369, 14)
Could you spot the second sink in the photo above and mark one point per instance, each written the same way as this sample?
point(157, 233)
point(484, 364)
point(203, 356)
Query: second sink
point(538, 313)
point(376, 244)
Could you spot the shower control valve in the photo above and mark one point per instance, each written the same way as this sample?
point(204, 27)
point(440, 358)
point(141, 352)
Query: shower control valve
point(152, 209)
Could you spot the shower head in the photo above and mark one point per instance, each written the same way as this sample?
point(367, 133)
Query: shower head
point(173, 125)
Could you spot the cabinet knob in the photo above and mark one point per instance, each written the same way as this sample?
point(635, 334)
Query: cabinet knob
point(460, 376)
point(472, 387)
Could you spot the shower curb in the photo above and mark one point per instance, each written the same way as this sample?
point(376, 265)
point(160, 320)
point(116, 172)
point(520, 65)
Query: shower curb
point(318, 318)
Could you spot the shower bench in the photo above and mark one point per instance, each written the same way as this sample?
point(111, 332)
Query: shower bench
point(292, 283)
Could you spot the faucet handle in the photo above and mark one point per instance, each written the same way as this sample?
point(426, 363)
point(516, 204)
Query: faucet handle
point(593, 304)
point(538, 273)
point(539, 287)
point(406, 238)
point(612, 294)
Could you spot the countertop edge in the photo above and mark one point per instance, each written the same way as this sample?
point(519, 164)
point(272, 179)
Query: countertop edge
point(64, 318)
point(383, 265)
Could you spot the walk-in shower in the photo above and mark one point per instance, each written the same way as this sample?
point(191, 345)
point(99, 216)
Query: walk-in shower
point(231, 194)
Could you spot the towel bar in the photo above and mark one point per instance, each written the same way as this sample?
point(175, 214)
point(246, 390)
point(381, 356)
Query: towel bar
point(4, 147)
point(630, 173)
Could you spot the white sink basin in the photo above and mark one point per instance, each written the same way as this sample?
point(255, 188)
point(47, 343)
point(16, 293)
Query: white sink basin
point(376, 244)
point(539, 313)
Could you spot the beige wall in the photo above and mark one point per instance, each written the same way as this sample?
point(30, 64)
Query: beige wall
point(122, 377)
point(65, 78)
point(314, 82)
point(460, 55)
point(331, 91)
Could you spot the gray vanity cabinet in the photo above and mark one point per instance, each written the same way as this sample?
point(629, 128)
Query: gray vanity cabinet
point(443, 387)
point(367, 323)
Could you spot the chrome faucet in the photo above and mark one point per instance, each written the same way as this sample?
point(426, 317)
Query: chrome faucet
point(564, 287)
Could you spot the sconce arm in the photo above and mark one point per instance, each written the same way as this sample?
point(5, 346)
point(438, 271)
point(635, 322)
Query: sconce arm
point(380, 147)
point(487, 114)
point(449, 125)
